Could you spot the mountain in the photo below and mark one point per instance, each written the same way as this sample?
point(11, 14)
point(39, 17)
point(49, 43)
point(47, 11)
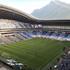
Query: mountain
point(54, 10)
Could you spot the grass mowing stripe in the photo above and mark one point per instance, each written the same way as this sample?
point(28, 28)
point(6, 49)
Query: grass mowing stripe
point(36, 53)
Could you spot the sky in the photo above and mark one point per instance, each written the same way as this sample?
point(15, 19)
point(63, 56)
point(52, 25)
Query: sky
point(27, 6)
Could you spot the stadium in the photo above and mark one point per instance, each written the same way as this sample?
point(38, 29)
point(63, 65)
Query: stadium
point(35, 43)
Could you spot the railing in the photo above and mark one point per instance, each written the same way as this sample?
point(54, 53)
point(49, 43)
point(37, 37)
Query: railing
point(13, 30)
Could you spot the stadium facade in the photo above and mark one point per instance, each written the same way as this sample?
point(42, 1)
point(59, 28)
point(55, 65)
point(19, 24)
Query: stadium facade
point(16, 26)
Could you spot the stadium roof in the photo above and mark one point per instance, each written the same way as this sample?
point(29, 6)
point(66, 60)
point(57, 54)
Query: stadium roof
point(59, 22)
point(12, 14)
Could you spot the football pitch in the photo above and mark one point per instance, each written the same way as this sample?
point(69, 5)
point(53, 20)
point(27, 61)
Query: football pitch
point(36, 53)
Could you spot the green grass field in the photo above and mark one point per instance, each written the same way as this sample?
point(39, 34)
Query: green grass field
point(36, 53)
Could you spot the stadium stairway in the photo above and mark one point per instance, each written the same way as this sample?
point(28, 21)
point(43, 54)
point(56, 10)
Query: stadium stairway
point(19, 36)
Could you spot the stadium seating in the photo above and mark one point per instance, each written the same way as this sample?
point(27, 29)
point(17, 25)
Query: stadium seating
point(7, 38)
point(22, 32)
